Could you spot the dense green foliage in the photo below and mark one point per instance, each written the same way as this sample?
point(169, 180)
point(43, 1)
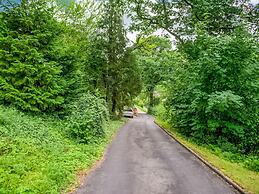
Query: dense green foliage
point(67, 66)
point(52, 53)
point(30, 78)
point(37, 154)
point(119, 72)
point(181, 18)
point(88, 118)
point(212, 90)
point(154, 58)
point(214, 94)
point(58, 67)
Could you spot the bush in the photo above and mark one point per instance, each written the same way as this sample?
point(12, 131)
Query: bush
point(87, 118)
point(213, 94)
point(37, 156)
point(252, 163)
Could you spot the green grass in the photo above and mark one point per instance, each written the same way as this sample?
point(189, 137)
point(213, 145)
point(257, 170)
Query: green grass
point(38, 156)
point(237, 171)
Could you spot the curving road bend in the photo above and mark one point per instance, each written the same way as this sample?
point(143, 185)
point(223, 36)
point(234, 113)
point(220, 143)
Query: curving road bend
point(144, 160)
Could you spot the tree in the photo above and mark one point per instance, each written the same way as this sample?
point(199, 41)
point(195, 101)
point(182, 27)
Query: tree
point(44, 47)
point(154, 58)
point(29, 78)
point(117, 63)
point(181, 18)
point(214, 93)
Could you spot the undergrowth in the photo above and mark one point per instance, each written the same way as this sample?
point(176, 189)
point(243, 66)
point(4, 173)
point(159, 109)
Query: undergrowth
point(37, 155)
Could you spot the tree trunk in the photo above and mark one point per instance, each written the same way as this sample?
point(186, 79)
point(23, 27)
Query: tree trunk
point(151, 100)
point(114, 102)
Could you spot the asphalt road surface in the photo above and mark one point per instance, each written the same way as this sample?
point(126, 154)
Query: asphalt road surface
point(144, 160)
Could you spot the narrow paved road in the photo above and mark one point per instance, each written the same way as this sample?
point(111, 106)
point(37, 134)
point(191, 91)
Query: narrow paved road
point(144, 160)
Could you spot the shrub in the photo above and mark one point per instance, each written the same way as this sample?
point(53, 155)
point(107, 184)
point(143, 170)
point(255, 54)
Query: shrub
point(252, 163)
point(36, 155)
point(213, 94)
point(87, 118)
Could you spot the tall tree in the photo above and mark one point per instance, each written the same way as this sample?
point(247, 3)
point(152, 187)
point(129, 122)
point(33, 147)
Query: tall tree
point(43, 52)
point(29, 78)
point(118, 60)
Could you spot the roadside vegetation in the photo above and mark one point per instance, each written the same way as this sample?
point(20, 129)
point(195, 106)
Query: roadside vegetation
point(38, 154)
point(67, 69)
point(209, 98)
point(242, 169)
point(207, 87)
point(61, 90)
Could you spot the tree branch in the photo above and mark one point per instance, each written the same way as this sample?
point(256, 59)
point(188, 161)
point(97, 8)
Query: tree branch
point(192, 6)
point(152, 21)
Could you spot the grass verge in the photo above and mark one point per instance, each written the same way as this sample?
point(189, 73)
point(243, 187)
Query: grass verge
point(37, 155)
point(236, 171)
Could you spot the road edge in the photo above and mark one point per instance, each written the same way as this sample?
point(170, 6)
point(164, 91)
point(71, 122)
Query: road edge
point(214, 169)
point(84, 174)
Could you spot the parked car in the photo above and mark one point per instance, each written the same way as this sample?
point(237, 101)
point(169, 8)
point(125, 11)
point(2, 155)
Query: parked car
point(128, 112)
